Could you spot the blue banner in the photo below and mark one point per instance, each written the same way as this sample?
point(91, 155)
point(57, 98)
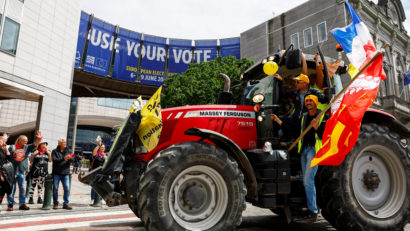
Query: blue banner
point(205, 50)
point(231, 46)
point(82, 35)
point(179, 56)
point(153, 60)
point(99, 47)
point(126, 55)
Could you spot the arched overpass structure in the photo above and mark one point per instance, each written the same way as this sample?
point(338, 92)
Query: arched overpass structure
point(114, 62)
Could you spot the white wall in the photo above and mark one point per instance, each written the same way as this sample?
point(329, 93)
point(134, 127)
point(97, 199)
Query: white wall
point(44, 60)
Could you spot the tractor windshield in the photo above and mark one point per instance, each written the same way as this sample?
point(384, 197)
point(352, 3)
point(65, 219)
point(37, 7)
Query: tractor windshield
point(264, 86)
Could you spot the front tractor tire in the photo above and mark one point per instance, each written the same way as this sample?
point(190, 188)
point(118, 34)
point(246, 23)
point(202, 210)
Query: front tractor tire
point(370, 190)
point(192, 186)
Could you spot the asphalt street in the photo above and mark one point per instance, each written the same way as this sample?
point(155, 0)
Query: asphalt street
point(85, 217)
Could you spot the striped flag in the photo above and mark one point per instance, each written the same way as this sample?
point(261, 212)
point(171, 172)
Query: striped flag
point(342, 129)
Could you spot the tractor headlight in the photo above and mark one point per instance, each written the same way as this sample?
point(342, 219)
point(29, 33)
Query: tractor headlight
point(258, 98)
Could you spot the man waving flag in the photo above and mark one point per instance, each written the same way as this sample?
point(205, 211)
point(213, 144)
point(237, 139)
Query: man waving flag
point(342, 129)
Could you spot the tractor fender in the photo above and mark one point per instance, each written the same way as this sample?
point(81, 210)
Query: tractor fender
point(385, 119)
point(235, 152)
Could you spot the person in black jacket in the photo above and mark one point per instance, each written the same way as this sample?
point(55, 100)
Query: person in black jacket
point(6, 173)
point(39, 170)
point(297, 96)
point(307, 148)
point(62, 159)
point(77, 163)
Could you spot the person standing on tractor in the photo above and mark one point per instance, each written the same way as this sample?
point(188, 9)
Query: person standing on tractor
point(297, 96)
point(307, 147)
point(303, 89)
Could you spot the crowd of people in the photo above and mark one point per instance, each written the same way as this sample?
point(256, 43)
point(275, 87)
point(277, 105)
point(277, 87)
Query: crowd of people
point(21, 163)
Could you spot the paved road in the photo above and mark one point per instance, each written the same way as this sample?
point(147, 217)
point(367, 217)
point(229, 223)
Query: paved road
point(121, 218)
point(85, 217)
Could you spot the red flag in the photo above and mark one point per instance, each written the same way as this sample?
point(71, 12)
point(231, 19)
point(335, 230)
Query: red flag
point(342, 129)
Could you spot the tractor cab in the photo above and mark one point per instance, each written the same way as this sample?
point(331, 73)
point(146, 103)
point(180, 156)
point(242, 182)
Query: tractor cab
point(269, 93)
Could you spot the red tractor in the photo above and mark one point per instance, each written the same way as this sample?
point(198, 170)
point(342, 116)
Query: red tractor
point(212, 159)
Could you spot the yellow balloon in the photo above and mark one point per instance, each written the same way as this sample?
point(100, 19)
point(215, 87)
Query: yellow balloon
point(270, 68)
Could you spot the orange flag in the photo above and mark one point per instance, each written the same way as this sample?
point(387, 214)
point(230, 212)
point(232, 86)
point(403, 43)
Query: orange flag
point(343, 127)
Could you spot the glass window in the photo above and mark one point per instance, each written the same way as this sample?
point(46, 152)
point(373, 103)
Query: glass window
point(307, 37)
point(386, 82)
point(1, 20)
point(401, 85)
point(115, 103)
point(321, 32)
point(10, 36)
point(85, 138)
point(294, 39)
point(264, 86)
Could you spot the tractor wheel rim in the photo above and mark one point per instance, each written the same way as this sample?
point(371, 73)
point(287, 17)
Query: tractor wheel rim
point(207, 207)
point(379, 181)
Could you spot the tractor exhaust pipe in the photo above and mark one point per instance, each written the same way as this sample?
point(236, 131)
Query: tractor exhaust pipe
point(227, 80)
point(225, 97)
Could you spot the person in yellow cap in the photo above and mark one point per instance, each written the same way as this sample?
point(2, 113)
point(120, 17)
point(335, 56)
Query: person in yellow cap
point(298, 95)
point(307, 147)
point(303, 89)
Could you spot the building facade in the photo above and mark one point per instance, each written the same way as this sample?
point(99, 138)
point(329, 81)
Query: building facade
point(38, 42)
point(37, 53)
point(308, 26)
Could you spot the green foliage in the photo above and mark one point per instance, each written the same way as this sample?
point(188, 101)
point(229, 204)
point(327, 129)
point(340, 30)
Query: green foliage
point(201, 83)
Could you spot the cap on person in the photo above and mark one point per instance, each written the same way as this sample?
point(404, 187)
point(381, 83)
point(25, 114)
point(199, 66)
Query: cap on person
point(313, 98)
point(42, 142)
point(303, 78)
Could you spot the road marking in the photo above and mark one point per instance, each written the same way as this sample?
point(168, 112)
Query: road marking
point(61, 221)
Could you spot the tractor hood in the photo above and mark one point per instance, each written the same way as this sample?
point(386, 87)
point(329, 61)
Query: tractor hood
point(234, 121)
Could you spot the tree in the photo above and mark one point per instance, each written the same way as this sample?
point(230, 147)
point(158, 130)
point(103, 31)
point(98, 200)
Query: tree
point(201, 83)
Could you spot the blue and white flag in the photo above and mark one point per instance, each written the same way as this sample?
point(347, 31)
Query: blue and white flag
point(358, 45)
point(355, 39)
point(407, 78)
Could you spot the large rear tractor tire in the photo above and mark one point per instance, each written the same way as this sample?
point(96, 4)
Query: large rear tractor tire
point(192, 186)
point(370, 190)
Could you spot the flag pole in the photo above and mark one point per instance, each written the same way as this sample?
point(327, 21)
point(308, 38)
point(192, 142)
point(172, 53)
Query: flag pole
point(337, 96)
